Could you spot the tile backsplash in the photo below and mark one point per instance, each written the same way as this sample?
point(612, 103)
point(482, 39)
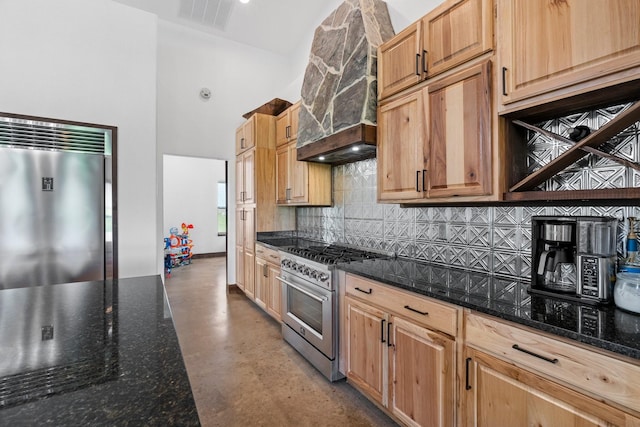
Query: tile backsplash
point(493, 239)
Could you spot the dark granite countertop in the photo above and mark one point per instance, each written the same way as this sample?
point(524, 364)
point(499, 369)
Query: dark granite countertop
point(92, 353)
point(605, 327)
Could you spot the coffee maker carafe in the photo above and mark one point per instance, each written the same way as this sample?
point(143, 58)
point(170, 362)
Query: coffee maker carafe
point(554, 252)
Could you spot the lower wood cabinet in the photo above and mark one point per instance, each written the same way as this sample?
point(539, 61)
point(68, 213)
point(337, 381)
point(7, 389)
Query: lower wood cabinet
point(498, 393)
point(268, 291)
point(403, 366)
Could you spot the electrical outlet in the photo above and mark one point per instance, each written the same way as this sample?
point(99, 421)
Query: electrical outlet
point(47, 332)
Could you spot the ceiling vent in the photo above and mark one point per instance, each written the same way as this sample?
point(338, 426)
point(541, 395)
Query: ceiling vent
point(210, 13)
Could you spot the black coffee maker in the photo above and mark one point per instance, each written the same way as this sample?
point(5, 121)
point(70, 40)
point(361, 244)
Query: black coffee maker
point(554, 255)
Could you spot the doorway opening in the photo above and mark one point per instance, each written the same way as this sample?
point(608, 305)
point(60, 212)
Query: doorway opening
point(195, 205)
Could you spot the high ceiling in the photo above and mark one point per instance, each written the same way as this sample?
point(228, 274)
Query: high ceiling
point(275, 25)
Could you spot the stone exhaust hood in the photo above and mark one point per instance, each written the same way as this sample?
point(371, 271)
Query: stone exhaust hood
point(337, 121)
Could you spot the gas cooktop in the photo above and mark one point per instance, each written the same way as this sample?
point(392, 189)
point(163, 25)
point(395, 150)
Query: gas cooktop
point(333, 253)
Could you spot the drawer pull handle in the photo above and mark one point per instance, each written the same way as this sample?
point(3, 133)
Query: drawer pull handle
point(466, 377)
point(531, 353)
point(273, 256)
point(424, 313)
point(363, 291)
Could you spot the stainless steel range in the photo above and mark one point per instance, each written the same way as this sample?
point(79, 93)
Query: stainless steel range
point(310, 302)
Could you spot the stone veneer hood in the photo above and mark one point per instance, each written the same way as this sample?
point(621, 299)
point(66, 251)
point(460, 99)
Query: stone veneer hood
point(339, 90)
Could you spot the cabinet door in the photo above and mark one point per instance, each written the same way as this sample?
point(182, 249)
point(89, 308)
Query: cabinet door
point(274, 302)
point(501, 394)
point(282, 175)
point(401, 148)
point(249, 240)
point(249, 162)
point(249, 131)
point(422, 375)
point(456, 32)
point(239, 179)
point(400, 61)
point(261, 283)
point(460, 134)
point(240, 140)
point(366, 349)
point(546, 45)
point(282, 125)
point(299, 179)
point(294, 111)
point(240, 267)
point(249, 274)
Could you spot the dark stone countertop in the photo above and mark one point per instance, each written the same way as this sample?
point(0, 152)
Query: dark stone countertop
point(606, 327)
point(92, 353)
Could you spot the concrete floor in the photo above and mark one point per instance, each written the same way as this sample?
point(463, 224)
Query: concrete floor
point(242, 373)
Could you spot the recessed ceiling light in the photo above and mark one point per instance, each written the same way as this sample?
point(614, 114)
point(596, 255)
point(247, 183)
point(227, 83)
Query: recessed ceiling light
point(244, 1)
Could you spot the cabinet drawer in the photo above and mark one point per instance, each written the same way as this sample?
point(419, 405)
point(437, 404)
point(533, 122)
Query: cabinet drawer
point(603, 377)
point(267, 254)
point(419, 309)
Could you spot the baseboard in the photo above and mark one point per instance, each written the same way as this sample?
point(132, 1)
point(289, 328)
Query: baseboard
point(209, 255)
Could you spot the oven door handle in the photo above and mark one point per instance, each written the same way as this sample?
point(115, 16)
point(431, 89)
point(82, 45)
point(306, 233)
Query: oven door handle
point(304, 291)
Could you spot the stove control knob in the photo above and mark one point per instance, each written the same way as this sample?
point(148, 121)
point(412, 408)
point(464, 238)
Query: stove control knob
point(299, 268)
point(315, 274)
point(307, 271)
point(323, 277)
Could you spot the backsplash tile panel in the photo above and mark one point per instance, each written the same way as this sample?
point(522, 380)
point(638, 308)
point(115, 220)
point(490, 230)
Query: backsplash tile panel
point(494, 239)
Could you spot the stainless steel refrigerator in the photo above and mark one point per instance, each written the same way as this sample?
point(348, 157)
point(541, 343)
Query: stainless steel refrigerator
point(56, 210)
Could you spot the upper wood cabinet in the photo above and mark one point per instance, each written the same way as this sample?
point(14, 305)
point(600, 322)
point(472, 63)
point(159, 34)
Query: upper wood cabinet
point(449, 35)
point(550, 49)
point(436, 142)
point(246, 135)
point(301, 183)
point(287, 125)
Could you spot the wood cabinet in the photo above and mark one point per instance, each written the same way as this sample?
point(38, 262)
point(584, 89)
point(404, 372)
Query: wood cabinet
point(449, 35)
point(402, 364)
point(256, 210)
point(504, 394)
point(436, 142)
point(287, 125)
point(246, 135)
point(268, 288)
point(550, 49)
point(301, 183)
point(245, 176)
point(245, 247)
point(544, 381)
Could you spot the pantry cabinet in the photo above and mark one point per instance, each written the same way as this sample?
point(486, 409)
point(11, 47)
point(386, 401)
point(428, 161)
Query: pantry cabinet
point(436, 141)
point(256, 210)
point(548, 49)
point(397, 354)
point(449, 35)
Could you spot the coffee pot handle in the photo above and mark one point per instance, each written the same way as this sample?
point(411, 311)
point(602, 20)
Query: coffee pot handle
point(542, 262)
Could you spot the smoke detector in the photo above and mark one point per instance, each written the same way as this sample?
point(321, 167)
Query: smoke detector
point(205, 93)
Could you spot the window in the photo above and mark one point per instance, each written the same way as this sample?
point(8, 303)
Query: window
point(222, 209)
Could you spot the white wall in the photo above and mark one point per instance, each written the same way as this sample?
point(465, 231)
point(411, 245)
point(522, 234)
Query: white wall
point(240, 77)
point(92, 62)
point(190, 193)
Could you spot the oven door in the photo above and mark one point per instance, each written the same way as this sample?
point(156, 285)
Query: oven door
point(308, 310)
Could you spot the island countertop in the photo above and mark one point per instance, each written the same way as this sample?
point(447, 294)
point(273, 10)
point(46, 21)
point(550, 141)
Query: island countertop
point(92, 353)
